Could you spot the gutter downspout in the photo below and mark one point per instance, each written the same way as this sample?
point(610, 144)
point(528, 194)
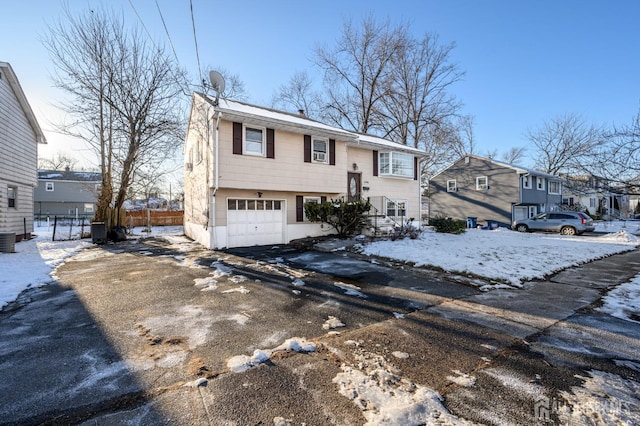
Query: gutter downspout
point(212, 207)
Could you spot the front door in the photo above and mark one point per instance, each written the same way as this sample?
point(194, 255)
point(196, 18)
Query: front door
point(354, 190)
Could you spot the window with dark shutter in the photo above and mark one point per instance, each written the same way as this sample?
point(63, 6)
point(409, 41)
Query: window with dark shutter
point(332, 152)
point(375, 163)
point(323, 199)
point(299, 208)
point(237, 138)
point(415, 168)
point(271, 152)
point(307, 148)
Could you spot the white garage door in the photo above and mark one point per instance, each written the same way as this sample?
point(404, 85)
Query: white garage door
point(252, 222)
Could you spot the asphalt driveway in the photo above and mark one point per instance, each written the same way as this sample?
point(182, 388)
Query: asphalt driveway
point(159, 332)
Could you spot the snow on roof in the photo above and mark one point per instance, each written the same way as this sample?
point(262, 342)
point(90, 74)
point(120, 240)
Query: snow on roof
point(69, 175)
point(300, 122)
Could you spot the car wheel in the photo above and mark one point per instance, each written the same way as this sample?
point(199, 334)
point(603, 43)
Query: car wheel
point(522, 228)
point(568, 230)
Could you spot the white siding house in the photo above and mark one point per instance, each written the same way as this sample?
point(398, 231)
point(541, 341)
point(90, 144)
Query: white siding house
point(20, 134)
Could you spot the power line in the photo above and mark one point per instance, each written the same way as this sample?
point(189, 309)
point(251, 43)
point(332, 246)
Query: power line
point(195, 40)
point(180, 83)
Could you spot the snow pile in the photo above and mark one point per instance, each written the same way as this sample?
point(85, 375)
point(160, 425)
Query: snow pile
point(241, 363)
point(622, 301)
point(350, 289)
point(604, 399)
point(502, 254)
point(384, 398)
point(332, 322)
point(206, 284)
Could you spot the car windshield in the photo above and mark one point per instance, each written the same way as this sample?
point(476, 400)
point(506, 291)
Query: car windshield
point(541, 216)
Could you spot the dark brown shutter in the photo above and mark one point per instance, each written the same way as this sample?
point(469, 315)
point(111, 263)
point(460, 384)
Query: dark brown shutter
point(299, 208)
point(271, 152)
point(307, 148)
point(237, 138)
point(375, 163)
point(323, 199)
point(415, 168)
point(332, 152)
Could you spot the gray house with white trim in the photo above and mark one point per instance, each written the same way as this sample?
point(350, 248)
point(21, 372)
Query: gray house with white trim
point(490, 190)
point(66, 193)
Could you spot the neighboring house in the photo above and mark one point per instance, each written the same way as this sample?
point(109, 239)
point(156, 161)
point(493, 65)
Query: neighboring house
point(20, 134)
point(65, 193)
point(249, 170)
point(490, 190)
point(599, 196)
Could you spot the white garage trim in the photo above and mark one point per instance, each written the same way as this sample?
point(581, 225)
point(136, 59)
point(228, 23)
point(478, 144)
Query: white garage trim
point(255, 221)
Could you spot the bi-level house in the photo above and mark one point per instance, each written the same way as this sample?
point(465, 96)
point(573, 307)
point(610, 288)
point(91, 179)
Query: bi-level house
point(20, 135)
point(249, 170)
point(66, 193)
point(492, 191)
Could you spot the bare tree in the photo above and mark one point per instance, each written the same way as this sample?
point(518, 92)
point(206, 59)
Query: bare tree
point(298, 95)
point(564, 144)
point(619, 160)
point(234, 86)
point(60, 161)
point(124, 98)
point(513, 155)
point(357, 72)
point(464, 141)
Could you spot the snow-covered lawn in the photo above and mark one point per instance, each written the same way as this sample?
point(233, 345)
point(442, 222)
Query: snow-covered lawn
point(501, 254)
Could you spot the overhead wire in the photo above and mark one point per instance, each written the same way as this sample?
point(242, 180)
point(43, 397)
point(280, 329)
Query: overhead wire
point(182, 84)
point(195, 40)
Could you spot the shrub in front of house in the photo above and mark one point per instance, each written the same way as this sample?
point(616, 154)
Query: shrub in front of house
point(448, 225)
point(346, 217)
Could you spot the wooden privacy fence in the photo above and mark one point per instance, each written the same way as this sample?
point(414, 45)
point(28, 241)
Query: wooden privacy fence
point(155, 217)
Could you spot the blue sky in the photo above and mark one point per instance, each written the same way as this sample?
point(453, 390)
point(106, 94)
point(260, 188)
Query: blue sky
point(525, 61)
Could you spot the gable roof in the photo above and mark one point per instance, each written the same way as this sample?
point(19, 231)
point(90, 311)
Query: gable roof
point(61, 175)
point(298, 123)
point(518, 169)
point(12, 79)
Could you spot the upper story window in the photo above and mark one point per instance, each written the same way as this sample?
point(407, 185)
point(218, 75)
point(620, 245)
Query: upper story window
point(254, 140)
point(88, 208)
point(554, 187)
point(526, 181)
point(12, 194)
point(320, 150)
point(452, 185)
point(482, 183)
point(540, 183)
point(396, 164)
point(48, 186)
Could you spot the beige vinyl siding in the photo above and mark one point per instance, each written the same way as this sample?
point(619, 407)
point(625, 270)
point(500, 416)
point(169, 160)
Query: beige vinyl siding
point(394, 188)
point(17, 162)
point(286, 172)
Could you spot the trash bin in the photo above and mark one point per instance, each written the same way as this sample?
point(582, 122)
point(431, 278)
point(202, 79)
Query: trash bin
point(98, 233)
point(472, 222)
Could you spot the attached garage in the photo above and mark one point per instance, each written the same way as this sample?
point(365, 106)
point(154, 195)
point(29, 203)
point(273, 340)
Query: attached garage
point(253, 222)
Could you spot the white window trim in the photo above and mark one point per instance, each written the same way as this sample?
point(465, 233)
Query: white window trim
point(244, 140)
point(305, 200)
point(391, 171)
point(554, 192)
point(526, 181)
point(532, 211)
point(395, 208)
point(540, 183)
point(482, 186)
point(313, 151)
point(14, 198)
point(88, 208)
point(49, 187)
point(451, 188)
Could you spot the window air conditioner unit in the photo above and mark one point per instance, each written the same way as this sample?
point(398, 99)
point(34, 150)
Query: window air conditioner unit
point(320, 156)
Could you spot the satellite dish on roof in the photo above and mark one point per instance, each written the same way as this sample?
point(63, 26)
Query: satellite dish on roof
point(217, 81)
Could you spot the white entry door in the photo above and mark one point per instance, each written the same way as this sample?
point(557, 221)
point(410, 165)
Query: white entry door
point(255, 222)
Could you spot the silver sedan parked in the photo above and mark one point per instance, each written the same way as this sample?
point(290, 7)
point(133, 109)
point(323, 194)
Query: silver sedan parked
point(565, 222)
